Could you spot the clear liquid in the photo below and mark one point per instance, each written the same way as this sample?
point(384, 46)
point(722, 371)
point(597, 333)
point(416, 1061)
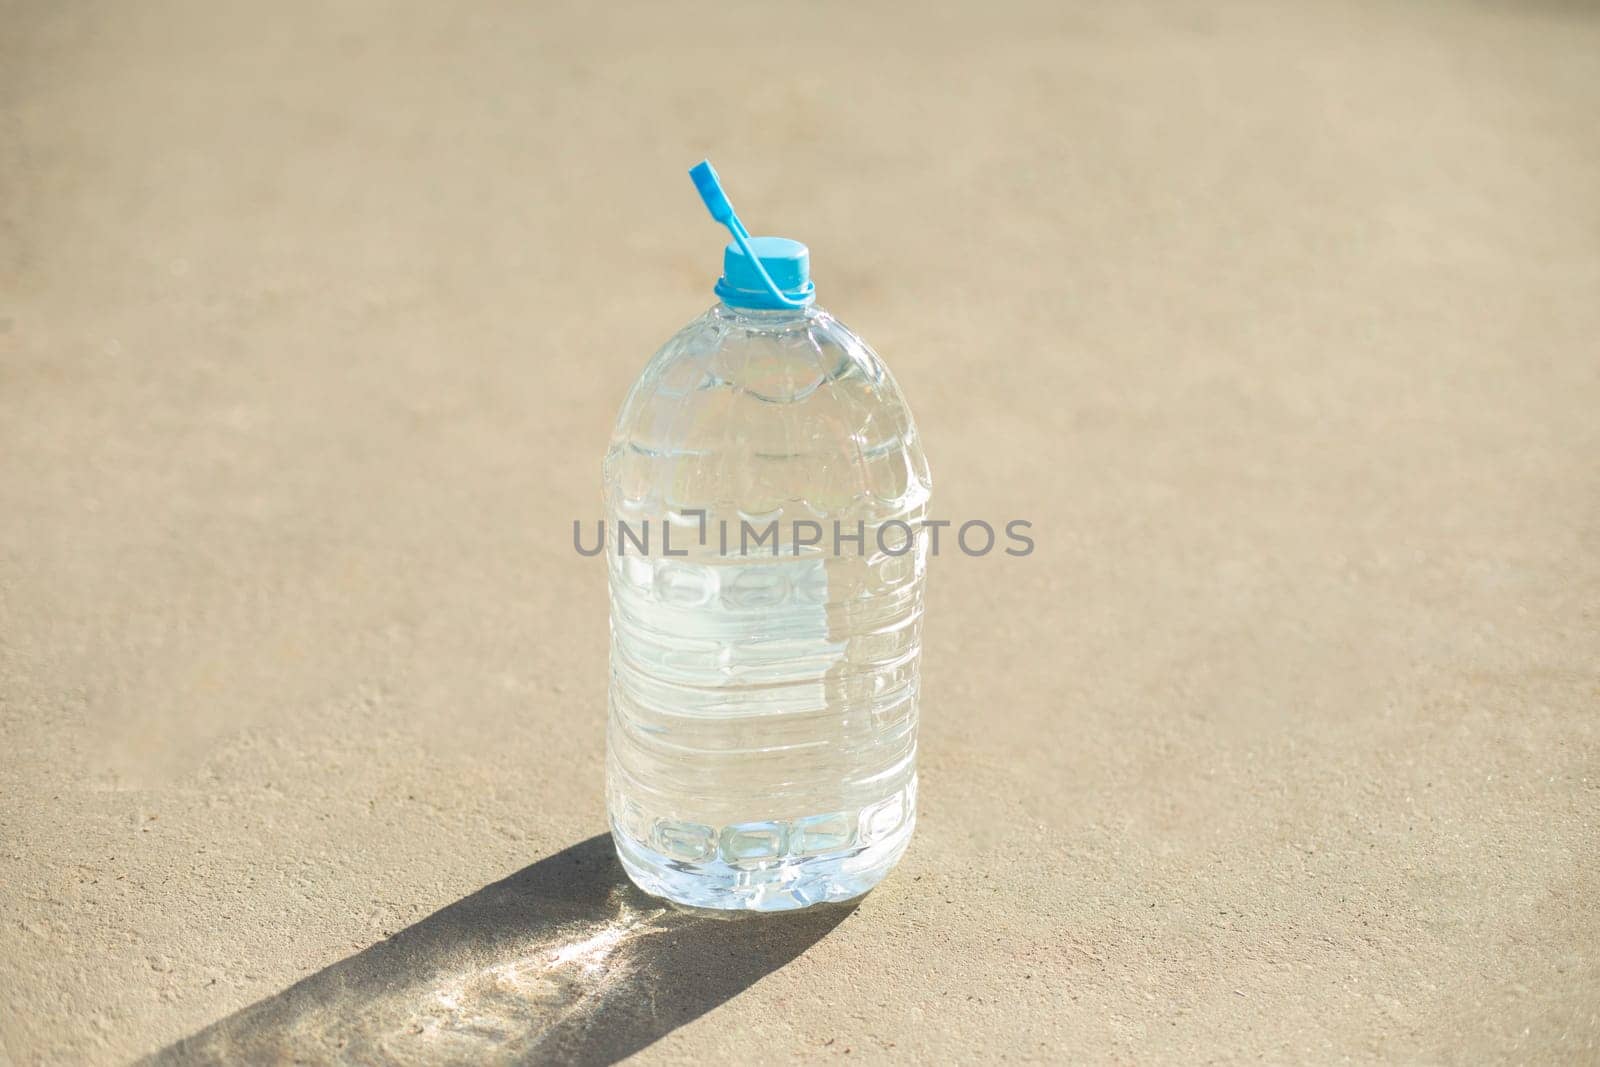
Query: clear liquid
point(762, 734)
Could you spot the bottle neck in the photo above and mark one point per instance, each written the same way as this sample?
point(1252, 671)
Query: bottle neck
point(765, 318)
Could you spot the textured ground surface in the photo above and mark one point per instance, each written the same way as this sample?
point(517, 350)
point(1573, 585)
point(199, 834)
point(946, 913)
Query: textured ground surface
point(1281, 322)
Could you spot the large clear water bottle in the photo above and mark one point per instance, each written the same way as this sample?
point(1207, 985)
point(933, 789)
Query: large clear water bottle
point(765, 490)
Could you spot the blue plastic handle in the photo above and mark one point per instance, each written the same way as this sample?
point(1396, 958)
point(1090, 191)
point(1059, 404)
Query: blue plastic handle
point(709, 186)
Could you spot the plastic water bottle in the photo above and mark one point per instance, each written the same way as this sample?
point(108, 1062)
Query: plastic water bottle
point(765, 489)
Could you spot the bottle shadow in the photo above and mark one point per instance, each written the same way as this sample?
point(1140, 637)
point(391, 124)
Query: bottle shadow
point(564, 961)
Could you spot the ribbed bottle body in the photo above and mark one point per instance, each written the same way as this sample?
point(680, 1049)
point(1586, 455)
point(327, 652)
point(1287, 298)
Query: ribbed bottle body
point(763, 488)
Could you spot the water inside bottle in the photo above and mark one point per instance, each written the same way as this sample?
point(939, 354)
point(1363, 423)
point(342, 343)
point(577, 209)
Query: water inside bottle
point(762, 734)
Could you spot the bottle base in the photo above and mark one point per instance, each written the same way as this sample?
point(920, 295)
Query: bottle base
point(782, 885)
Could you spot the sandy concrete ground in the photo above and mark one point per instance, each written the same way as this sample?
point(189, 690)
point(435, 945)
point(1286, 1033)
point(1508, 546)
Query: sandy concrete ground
point(1281, 322)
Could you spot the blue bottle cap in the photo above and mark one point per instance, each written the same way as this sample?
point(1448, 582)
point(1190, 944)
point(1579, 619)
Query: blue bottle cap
point(788, 267)
point(757, 272)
